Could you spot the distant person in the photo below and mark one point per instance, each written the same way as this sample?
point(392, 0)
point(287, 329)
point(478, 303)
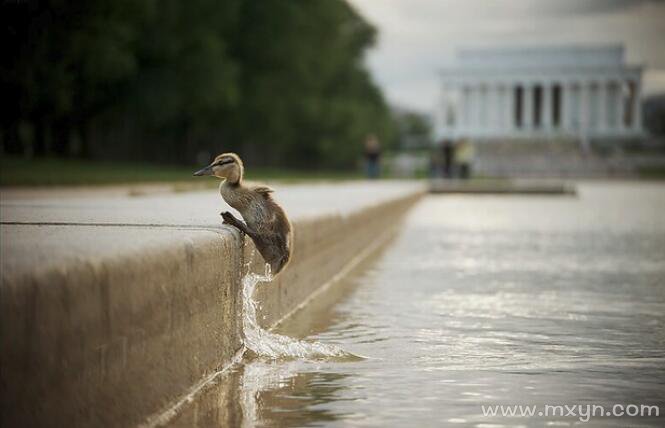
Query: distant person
point(435, 162)
point(372, 156)
point(464, 154)
point(447, 164)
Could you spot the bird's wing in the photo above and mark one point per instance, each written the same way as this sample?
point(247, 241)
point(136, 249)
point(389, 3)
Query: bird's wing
point(263, 189)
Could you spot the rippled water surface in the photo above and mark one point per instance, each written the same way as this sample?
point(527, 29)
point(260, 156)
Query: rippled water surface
point(486, 300)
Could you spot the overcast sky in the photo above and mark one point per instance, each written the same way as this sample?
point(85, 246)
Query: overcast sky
point(417, 37)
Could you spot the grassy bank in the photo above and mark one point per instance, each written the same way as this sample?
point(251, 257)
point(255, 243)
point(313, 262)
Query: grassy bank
point(72, 172)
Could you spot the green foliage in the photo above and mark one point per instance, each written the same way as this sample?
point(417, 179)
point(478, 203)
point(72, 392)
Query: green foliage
point(281, 82)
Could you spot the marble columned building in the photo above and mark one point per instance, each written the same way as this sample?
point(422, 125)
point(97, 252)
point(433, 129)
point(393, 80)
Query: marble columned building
point(574, 92)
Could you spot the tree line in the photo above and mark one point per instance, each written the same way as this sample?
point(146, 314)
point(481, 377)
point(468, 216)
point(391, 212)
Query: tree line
point(280, 82)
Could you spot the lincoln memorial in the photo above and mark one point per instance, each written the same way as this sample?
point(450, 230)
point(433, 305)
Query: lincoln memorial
point(540, 93)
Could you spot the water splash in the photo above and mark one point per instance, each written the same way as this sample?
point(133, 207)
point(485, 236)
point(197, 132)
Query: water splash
point(277, 346)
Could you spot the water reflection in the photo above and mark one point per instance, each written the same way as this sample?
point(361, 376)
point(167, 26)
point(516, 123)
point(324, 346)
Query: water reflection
point(281, 394)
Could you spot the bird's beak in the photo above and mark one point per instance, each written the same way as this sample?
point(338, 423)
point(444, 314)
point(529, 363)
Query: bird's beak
point(205, 171)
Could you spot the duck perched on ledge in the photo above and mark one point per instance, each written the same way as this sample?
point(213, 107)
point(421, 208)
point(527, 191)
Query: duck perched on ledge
point(266, 221)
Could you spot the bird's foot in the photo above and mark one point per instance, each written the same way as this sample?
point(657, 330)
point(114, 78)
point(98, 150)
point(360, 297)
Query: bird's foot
point(230, 219)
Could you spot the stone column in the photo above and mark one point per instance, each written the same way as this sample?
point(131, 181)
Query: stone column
point(476, 108)
point(467, 107)
point(572, 117)
point(442, 108)
point(483, 108)
point(492, 108)
point(502, 106)
point(636, 107)
point(527, 106)
point(565, 119)
point(509, 104)
point(620, 111)
point(462, 108)
point(546, 108)
point(602, 106)
point(452, 107)
point(489, 108)
point(487, 99)
point(584, 116)
point(499, 108)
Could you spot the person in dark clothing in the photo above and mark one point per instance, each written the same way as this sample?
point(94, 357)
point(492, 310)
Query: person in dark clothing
point(372, 156)
point(447, 165)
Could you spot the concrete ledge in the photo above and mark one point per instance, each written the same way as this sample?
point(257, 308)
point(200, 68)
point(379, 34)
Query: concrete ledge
point(103, 342)
point(105, 321)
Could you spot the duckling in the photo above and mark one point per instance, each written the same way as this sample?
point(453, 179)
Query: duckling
point(266, 221)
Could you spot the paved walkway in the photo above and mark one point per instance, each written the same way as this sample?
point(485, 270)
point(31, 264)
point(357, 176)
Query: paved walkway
point(41, 230)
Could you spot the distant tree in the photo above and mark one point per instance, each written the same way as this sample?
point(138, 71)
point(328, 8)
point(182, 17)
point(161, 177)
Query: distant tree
point(282, 82)
point(307, 98)
point(63, 62)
